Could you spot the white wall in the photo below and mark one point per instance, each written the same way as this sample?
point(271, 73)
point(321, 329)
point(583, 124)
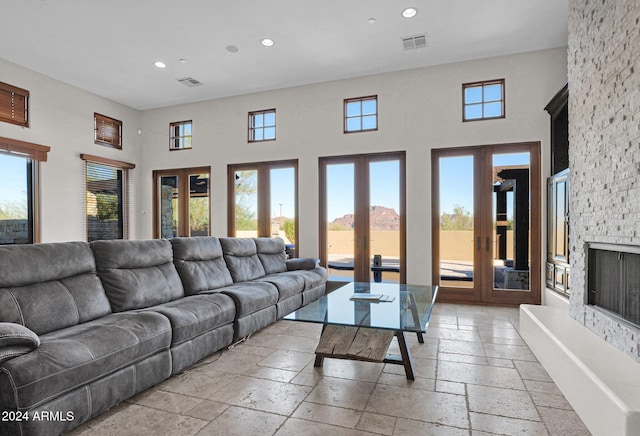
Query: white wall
point(61, 117)
point(419, 110)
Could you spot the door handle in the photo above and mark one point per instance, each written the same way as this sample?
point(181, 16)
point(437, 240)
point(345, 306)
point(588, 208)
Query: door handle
point(479, 244)
point(488, 244)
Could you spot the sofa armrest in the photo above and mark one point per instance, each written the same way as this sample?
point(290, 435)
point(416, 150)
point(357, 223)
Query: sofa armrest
point(15, 340)
point(302, 263)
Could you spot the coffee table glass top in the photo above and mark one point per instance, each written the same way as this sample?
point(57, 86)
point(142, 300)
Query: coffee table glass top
point(408, 311)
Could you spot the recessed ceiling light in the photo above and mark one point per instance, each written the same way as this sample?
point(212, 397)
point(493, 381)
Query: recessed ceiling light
point(182, 61)
point(371, 21)
point(409, 12)
point(232, 49)
point(267, 42)
point(160, 64)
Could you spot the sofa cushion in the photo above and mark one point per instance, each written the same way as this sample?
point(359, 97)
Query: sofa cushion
point(312, 278)
point(70, 358)
point(272, 255)
point(137, 274)
point(251, 296)
point(241, 257)
point(288, 284)
point(200, 264)
point(47, 287)
point(196, 314)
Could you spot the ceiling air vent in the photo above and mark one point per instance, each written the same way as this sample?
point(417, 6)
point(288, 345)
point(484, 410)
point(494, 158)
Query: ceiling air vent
point(414, 42)
point(190, 82)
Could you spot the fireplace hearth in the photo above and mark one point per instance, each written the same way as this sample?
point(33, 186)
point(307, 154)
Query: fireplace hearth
point(613, 275)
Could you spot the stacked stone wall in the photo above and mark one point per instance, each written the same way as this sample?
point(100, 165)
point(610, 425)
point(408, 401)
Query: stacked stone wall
point(604, 153)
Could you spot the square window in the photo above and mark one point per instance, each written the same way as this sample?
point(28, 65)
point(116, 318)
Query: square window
point(483, 100)
point(180, 135)
point(262, 125)
point(14, 105)
point(107, 131)
point(361, 114)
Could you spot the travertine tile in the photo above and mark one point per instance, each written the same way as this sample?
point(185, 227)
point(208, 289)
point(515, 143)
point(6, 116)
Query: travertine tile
point(437, 407)
point(427, 384)
point(136, 420)
point(342, 393)
point(237, 421)
point(268, 385)
point(492, 424)
point(298, 427)
point(461, 347)
point(327, 414)
point(265, 395)
point(550, 400)
point(421, 368)
point(503, 402)
point(502, 351)
point(408, 427)
point(450, 387)
point(465, 358)
point(207, 410)
point(479, 375)
point(378, 424)
point(454, 335)
point(164, 400)
point(287, 359)
point(563, 422)
point(542, 386)
point(348, 369)
point(532, 371)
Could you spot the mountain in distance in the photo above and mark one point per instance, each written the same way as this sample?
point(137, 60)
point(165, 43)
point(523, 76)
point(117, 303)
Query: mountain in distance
point(380, 218)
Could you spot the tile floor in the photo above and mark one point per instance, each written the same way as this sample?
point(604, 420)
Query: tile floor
point(475, 376)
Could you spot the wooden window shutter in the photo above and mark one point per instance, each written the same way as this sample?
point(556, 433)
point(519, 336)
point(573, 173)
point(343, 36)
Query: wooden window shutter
point(108, 131)
point(14, 105)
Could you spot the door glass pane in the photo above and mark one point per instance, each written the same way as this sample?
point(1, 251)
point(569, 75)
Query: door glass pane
point(384, 220)
point(199, 204)
point(511, 221)
point(283, 205)
point(456, 221)
point(246, 203)
point(169, 206)
point(340, 221)
point(15, 221)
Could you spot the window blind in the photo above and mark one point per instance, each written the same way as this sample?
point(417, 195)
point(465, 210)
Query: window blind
point(14, 105)
point(108, 131)
point(107, 198)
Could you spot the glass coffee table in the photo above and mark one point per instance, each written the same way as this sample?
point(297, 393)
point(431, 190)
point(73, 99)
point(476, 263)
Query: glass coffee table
point(359, 325)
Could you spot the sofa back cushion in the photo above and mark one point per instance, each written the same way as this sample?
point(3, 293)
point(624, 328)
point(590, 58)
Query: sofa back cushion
point(272, 255)
point(241, 257)
point(47, 287)
point(137, 274)
point(200, 264)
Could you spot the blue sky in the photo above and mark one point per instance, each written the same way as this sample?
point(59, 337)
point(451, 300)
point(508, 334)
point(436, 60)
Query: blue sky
point(458, 173)
point(13, 178)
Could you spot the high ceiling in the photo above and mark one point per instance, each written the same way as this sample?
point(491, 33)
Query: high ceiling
point(109, 47)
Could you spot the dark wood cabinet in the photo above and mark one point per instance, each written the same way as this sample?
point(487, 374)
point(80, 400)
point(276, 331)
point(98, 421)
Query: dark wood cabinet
point(557, 265)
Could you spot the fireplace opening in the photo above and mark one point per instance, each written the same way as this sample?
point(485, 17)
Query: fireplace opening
point(613, 274)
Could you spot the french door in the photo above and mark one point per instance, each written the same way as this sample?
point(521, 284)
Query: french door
point(362, 217)
point(263, 201)
point(486, 224)
point(181, 202)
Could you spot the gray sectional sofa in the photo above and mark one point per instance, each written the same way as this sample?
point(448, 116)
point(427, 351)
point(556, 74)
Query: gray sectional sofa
point(86, 326)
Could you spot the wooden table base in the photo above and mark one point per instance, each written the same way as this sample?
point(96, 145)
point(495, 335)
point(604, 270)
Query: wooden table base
point(363, 344)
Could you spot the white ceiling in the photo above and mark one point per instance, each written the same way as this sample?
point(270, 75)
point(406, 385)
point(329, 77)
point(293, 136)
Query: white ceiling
point(108, 47)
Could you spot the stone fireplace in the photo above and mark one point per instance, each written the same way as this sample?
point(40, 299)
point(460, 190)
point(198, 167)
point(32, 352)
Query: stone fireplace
point(604, 151)
point(613, 281)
